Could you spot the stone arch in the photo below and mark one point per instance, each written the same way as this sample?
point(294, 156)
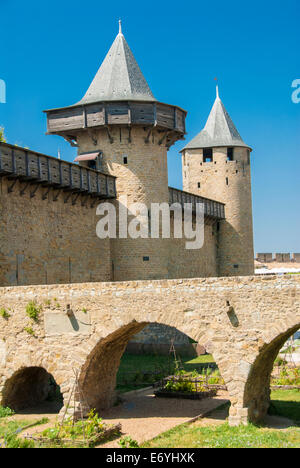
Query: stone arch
point(97, 377)
point(27, 387)
point(257, 387)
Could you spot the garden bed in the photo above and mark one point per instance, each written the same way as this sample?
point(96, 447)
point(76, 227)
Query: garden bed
point(162, 393)
point(77, 442)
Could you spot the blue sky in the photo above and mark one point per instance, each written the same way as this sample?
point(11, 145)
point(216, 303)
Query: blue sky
point(51, 52)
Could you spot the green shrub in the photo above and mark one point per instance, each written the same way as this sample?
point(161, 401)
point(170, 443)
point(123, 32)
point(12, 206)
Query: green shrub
point(29, 330)
point(13, 441)
point(128, 442)
point(4, 314)
point(5, 412)
point(33, 311)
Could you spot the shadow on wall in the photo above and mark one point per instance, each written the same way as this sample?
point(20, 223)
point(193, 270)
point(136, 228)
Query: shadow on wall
point(157, 338)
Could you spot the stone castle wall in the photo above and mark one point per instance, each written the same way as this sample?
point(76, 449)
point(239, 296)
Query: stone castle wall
point(46, 241)
point(143, 179)
point(278, 257)
point(228, 182)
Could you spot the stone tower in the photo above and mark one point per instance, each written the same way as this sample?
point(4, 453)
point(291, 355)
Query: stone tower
point(216, 164)
point(121, 129)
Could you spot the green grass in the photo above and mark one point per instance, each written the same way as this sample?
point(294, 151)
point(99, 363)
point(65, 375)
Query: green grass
point(137, 365)
point(224, 436)
point(284, 403)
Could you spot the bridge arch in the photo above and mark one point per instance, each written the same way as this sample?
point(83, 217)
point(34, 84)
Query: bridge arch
point(97, 378)
point(28, 387)
point(257, 388)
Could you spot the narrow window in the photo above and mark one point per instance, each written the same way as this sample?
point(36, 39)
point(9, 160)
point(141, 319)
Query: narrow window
point(248, 157)
point(207, 155)
point(92, 164)
point(227, 181)
point(125, 160)
point(229, 154)
point(199, 184)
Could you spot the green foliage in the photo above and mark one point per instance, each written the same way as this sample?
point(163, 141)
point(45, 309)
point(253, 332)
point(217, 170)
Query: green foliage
point(128, 442)
point(12, 441)
point(288, 376)
point(138, 371)
point(4, 314)
point(33, 311)
point(5, 412)
point(90, 427)
point(214, 377)
point(280, 361)
point(2, 136)
point(180, 385)
point(84, 310)
point(10, 431)
point(29, 330)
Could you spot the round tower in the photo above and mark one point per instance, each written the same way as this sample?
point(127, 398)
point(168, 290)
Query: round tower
point(216, 164)
point(122, 130)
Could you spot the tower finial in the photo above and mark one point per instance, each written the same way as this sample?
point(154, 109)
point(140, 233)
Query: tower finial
point(120, 26)
point(217, 88)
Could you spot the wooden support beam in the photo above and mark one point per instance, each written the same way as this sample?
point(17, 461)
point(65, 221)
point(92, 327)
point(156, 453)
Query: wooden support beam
point(45, 194)
point(10, 189)
point(74, 199)
point(111, 140)
point(67, 198)
point(33, 192)
point(55, 195)
point(163, 138)
point(147, 139)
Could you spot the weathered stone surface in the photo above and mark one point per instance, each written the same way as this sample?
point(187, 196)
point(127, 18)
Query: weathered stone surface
point(117, 311)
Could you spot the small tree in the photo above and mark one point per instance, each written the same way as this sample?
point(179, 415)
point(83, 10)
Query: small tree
point(2, 137)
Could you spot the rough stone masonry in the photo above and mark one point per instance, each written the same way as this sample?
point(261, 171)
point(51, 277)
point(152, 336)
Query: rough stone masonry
point(243, 321)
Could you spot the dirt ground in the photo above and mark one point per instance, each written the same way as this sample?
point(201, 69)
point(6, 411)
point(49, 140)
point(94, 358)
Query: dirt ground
point(143, 416)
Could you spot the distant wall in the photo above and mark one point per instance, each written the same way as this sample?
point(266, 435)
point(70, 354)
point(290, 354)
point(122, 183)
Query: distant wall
point(278, 257)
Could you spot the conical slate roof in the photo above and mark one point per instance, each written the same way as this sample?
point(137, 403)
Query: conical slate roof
point(218, 131)
point(119, 78)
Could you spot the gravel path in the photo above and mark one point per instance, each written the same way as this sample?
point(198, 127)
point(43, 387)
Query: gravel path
point(143, 416)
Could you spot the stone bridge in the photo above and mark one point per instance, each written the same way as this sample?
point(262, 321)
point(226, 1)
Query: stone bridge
point(243, 321)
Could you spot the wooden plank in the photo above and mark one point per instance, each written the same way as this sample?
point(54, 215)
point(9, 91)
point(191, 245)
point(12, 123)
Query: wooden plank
point(95, 115)
point(142, 113)
point(66, 119)
point(165, 116)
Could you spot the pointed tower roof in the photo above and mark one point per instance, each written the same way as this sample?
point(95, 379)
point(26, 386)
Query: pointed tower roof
point(218, 131)
point(119, 78)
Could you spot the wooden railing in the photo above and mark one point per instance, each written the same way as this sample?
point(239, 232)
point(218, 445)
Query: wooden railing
point(212, 208)
point(27, 165)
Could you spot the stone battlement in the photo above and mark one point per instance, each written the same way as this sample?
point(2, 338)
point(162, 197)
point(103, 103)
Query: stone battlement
point(278, 257)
